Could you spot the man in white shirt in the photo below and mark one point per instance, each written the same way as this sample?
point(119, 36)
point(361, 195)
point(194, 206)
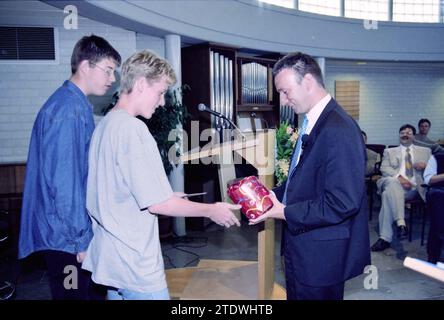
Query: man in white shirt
point(402, 168)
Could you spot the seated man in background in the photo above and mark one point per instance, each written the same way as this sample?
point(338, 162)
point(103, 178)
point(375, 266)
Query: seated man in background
point(434, 177)
point(422, 140)
point(402, 168)
point(372, 158)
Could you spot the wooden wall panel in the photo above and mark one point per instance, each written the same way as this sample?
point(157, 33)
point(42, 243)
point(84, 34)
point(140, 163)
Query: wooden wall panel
point(12, 178)
point(347, 95)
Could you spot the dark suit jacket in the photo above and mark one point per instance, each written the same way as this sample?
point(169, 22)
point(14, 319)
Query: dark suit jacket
point(326, 237)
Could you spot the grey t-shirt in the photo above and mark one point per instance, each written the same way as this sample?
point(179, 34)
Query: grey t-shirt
point(423, 141)
point(126, 175)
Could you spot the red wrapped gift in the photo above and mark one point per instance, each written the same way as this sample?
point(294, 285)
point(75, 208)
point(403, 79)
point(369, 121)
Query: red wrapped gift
point(251, 194)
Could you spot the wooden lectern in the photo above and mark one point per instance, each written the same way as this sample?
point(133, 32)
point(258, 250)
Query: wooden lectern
point(258, 150)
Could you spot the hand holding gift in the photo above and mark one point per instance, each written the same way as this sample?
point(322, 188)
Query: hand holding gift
point(222, 214)
point(252, 195)
point(276, 212)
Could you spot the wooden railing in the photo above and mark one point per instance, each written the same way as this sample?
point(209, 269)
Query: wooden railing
point(12, 177)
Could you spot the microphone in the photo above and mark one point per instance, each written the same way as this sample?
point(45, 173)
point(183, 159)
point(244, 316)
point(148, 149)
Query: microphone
point(204, 108)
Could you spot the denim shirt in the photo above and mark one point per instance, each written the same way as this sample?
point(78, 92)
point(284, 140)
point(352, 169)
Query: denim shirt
point(54, 215)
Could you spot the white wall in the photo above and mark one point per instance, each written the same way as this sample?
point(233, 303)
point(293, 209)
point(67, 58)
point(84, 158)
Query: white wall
point(26, 86)
point(395, 94)
point(391, 95)
point(155, 44)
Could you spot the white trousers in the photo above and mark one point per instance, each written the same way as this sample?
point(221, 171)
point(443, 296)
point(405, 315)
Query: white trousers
point(393, 197)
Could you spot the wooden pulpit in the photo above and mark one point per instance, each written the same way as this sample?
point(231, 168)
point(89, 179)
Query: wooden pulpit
point(193, 283)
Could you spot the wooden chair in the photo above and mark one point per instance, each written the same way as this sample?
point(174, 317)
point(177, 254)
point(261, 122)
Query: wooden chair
point(7, 288)
point(372, 178)
point(413, 206)
point(379, 148)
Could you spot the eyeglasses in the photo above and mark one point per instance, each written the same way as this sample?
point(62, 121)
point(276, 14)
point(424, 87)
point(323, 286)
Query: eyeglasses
point(109, 72)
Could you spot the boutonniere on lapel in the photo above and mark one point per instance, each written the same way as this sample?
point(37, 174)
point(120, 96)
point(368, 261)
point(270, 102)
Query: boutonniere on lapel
point(305, 141)
point(286, 137)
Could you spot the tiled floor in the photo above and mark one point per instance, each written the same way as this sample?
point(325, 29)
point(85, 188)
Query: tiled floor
point(394, 281)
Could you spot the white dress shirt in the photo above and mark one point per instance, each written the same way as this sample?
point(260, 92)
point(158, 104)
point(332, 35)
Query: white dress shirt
point(315, 112)
point(431, 169)
point(313, 116)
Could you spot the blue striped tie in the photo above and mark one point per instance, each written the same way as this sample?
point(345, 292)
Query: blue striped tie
point(294, 159)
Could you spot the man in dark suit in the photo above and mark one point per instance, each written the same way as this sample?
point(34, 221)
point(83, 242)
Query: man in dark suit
point(434, 177)
point(323, 202)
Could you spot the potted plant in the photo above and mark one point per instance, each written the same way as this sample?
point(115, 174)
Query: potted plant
point(286, 137)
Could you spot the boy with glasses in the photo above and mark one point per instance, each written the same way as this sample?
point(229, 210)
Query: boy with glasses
point(54, 218)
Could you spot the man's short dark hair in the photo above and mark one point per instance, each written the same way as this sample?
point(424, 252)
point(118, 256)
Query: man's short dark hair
point(93, 49)
point(408, 126)
point(421, 121)
point(302, 64)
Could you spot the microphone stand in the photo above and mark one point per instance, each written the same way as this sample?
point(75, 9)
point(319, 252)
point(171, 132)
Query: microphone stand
point(220, 126)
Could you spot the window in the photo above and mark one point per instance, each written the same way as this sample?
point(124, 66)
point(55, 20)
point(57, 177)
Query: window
point(412, 11)
point(381, 10)
point(27, 43)
point(281, 3)
point(367, 9)
point(331, 8)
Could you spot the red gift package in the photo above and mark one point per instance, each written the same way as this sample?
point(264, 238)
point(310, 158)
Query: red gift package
point(251, 194)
